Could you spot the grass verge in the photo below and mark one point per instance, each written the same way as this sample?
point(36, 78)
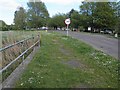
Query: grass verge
point(64, 62)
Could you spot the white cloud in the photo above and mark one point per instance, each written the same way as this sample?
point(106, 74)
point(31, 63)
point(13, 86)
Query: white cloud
point(9, 4)
point(62, 2)
point(7, 9)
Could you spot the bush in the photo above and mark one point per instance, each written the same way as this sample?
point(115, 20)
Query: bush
point(4, 28)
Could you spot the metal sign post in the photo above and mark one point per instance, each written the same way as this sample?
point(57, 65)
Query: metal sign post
point(67, 22)
point(67, 29)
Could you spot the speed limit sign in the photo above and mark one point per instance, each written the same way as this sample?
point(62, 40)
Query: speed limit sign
point(67, 21)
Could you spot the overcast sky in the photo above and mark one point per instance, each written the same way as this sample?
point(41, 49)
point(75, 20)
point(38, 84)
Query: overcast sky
point(8, 7)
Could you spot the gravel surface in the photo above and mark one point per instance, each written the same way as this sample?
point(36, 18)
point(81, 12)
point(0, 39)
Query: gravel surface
point(99, 42)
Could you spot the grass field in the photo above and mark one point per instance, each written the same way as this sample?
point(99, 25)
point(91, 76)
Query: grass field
point(65, 62)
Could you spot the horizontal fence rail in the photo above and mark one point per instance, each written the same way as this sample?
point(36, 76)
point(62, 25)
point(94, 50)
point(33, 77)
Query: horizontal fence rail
point(22, 54)
point(18, 57)
point(9, 46)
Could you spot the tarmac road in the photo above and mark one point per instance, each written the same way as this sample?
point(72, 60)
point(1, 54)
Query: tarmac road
point(100, 42)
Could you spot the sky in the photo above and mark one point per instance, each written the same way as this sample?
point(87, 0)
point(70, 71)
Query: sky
point(8, 7)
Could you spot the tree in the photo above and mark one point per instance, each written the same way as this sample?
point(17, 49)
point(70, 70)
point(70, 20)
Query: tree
point(3, 26)
point(104, 15)
point(37, 14)
point(20, 18)
point(118, 18)
point(98, 15)
point(86, 11)
point(57, 21)
point(68, 15)
point(75, 19)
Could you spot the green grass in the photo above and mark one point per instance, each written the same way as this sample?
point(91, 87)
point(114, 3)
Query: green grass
point(50, 67)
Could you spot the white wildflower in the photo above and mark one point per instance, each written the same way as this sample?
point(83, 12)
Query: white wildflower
point(45, 65)
point(104, 54)
point(96, 58)
point(30, 79)
point(109, 61)
point(64, 38)
point(21, 84)
point(104, 64)
point(41, 77)
point(93, 54)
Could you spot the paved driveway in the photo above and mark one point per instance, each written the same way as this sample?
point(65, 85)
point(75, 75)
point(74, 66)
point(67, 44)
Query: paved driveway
point(100, 42)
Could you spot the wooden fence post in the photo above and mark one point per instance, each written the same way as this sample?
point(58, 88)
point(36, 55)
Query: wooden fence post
point(33, 40)
point(23, 51)
point(39, 38)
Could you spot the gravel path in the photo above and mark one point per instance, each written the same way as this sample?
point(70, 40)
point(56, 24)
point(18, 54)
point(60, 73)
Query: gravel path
point(99, 42)
point(15, 75)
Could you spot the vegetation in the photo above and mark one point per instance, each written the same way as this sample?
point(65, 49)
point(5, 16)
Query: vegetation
point(20, 18)
point(57, 21)
point(3, 26)
point(118, 15)
point(37, 14)
point(98, 15)
point(65, 62)
point(35, 17)
point(75, 19)
point(62, 61)
point(8, 55)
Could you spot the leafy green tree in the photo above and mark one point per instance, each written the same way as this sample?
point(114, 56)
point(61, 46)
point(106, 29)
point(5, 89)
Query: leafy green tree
point(98, 14)
point(57, 21)
point(3, 26)
point(118, 18)
point(75, 19)
point(37, 14)
point(86, 11)
point(104, 15)
point(68, 15)
point(20, 18)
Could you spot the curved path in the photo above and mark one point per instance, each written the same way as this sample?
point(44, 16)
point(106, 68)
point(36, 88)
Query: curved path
point(100, 42)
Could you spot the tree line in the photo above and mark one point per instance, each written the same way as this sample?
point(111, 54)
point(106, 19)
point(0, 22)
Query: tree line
point(5, 27)
point(97, 15)
point(34, 17)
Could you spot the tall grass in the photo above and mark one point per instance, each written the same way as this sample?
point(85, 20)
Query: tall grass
point(11, 37)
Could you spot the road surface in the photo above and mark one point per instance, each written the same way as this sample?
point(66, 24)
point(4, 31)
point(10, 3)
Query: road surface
point(99, 42)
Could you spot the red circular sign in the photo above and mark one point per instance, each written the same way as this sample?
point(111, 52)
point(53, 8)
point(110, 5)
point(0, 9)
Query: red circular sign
point(67, 21)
